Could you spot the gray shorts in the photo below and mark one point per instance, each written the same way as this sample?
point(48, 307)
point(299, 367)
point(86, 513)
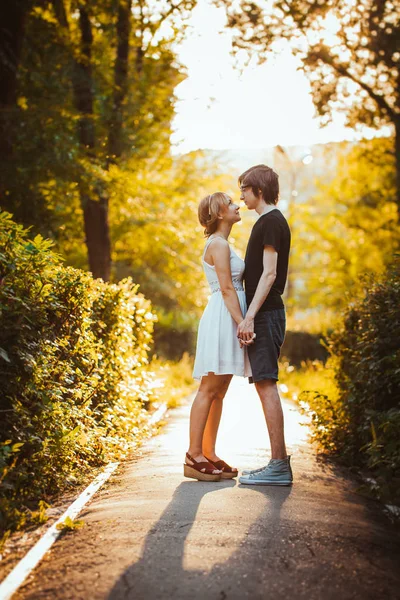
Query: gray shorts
point(270, 327)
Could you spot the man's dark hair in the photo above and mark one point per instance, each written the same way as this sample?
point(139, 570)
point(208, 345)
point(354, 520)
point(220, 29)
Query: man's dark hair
point(262, 179)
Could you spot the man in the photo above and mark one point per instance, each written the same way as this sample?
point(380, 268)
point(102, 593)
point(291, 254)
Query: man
point(266, 266)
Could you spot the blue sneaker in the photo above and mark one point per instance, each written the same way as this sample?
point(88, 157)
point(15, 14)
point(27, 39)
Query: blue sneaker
point(250, 471)
point(277, 472)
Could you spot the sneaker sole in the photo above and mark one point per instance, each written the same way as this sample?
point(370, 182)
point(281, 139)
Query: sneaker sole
point(264, 482)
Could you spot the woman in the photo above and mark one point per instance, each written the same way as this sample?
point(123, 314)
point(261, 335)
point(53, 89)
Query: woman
point(219, 354)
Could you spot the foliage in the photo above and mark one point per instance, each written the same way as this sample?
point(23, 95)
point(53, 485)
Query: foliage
point(158, 239)
point(301, 346)
point(349, 229)
point(174, 379)
point(150, 195)
point(175, 334)
point(79, 107)
point(73, 371)
point(360, 424)
point(308, 377)
point(70, 525)
point(349, 50)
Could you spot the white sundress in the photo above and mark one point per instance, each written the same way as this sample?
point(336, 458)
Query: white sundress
point(218, 350)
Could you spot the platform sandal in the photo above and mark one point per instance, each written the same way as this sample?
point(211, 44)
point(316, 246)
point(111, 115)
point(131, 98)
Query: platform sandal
point(202, 471)
point(227, 471)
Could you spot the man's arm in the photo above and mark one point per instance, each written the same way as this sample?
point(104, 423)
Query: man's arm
point(245, 329)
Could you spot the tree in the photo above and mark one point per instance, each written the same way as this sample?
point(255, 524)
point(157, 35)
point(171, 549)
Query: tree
point(12, 17)
point(101, 93)
point(350, 52)
point(96, 206)
point(348, 232)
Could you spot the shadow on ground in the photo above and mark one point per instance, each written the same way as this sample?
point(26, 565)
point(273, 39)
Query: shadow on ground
point(160, 572)
point(276, 558)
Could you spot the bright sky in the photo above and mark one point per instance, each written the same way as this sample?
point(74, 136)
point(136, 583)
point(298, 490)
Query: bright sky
point(219, 107)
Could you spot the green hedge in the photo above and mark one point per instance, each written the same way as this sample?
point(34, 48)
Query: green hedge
point(362, 424)
point(301, 346)
point(74, 390)
point(175, 334)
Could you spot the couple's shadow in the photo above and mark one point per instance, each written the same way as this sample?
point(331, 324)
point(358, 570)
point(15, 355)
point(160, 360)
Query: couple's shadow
point(160, 571)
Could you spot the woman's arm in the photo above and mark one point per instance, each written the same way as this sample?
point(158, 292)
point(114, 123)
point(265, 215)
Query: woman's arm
point(220, 254)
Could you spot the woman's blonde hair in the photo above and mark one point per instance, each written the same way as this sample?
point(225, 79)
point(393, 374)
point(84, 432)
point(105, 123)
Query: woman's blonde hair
point(209, 209)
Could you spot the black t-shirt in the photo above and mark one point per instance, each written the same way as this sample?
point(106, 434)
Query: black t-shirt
point(271, 229)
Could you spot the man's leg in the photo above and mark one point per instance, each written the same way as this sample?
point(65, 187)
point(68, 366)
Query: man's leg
point(278, 471)
point(271, 404)
point(270, 330)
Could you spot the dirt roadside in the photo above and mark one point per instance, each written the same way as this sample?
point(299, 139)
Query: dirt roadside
point(150, 534)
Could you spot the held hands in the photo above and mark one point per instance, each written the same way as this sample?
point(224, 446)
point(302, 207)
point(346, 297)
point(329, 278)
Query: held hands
point(242, 343)
point(245, 332)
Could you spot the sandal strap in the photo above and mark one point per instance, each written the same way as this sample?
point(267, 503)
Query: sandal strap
point(222, 466)
point(208, 467)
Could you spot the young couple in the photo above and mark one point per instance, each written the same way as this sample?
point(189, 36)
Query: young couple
point(241, 331)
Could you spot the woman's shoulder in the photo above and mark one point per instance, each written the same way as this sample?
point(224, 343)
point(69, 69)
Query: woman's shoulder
point(217, 249)
point(218, 242)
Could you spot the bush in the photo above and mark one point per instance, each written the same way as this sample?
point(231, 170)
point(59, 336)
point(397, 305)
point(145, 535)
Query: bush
point(301, 346)
point(73, 375)
point(179, 379)
point(362, 424)
point(174, 335)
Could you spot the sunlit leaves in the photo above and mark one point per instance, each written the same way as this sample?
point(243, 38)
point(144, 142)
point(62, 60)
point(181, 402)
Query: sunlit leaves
point(360, 421)
point(349, 229)
point(73, 373)
point(156, 230)
point(357, 41)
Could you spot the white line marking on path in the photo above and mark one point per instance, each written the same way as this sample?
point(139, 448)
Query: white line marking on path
point(21, 571)
point(26, 565)
point(158, 415)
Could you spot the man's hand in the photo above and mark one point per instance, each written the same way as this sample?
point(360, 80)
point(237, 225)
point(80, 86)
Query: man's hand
point(243, 344)
point(245, 330)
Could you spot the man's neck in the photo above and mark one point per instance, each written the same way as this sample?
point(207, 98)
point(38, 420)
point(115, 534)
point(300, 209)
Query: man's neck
point(263, 209)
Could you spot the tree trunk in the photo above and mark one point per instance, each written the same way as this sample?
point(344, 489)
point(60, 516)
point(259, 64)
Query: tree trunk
point(12, 19)
point(115, 143)
point(96, 214)
point(95, 211)
point(97, 236)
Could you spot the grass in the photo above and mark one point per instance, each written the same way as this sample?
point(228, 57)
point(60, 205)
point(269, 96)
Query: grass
point(312, 376)
point(173, 379)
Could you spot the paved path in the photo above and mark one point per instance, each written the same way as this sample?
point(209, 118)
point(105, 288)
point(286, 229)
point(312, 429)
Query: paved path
point(150, 534)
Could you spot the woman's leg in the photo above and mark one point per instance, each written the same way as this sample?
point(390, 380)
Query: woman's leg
point(213, 421)
point(212, 388)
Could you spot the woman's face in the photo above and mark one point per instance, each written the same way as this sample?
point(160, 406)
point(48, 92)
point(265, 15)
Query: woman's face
point(230, 212)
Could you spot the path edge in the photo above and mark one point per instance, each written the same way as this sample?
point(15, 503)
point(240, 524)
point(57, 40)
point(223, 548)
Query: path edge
point(32, 558)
